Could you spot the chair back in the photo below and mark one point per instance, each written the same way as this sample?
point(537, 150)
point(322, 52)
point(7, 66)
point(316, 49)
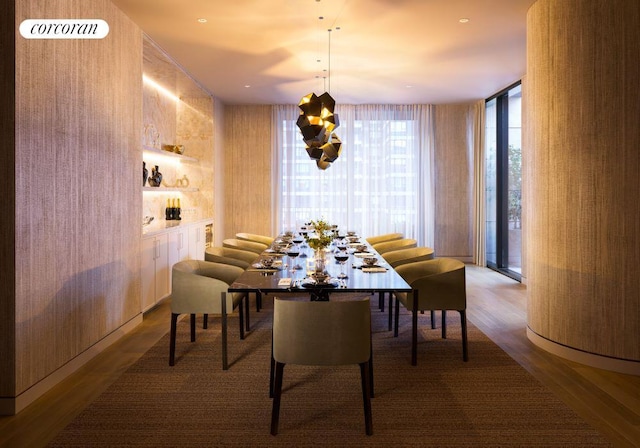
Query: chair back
point(196, 286)
point(251, 246)
point(382, 238)
point(440, 282)
point(388, 246)
point(234, 257)
point(321, 333)
point(263, 239)
point(403, 256)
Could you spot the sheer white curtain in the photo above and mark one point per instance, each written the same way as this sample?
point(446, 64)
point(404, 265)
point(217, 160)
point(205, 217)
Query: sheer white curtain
point(477, 131)
point(381, 183)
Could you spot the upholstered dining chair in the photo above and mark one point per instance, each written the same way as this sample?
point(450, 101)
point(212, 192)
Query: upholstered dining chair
point(385, 237)
point(439, 284)
point(322, 334)
point(200, 287)
point(251, 246)
point(233, 257)
point(263, 239)
point(227, 255)
point(388, 246)
point(399, 257)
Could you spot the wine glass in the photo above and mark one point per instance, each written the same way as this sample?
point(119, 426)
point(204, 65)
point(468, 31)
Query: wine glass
point(293, 253)
point(341, 257)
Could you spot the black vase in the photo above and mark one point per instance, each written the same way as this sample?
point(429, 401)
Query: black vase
point(156, 177)
point(145, 173)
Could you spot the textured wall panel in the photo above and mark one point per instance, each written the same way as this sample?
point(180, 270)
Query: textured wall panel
point(247, 160)
point(582, 165)
point(77, 161)
point(453, 182)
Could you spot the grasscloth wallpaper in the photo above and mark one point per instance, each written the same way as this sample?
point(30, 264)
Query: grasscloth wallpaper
point(582, 168)
point(78, 201)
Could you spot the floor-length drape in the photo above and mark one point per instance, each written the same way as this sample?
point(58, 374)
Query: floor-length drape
point(477, 128)
point(381, 183)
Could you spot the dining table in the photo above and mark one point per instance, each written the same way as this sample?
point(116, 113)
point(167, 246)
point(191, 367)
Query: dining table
point(288, 266)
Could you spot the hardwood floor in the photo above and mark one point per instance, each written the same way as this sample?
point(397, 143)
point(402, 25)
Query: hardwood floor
point(609, 401)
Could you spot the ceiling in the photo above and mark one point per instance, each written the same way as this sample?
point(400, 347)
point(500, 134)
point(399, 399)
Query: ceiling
point(378, 52)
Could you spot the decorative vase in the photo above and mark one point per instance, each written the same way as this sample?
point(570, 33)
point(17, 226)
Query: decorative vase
point(156, 177)
point(145, 173)
point(320, 260)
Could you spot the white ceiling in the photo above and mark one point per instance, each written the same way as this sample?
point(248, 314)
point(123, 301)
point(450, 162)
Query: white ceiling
point(385, 52)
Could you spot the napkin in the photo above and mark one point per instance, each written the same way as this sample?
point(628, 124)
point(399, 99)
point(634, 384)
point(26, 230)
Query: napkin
point(374, 269)
point(285, 282)
point(363, 254)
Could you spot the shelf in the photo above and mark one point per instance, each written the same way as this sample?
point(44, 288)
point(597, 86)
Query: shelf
point(174, 155)
point(162, 189)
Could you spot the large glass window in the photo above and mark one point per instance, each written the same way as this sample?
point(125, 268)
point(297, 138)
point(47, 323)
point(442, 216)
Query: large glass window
point(373, 187)
point(504, 181)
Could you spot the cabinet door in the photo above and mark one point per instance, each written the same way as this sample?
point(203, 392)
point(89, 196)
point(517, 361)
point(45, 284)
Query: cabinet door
point(197, 241)
point(148, 273)
point(178, 246)
point(163, 268)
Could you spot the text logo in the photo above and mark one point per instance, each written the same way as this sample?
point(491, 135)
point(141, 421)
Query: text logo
point(64, 29)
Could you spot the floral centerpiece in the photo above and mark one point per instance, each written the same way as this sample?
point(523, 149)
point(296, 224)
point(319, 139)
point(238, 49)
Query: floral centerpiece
point(319, 240)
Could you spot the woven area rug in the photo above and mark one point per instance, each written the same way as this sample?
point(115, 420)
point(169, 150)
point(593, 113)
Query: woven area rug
point(441, 402)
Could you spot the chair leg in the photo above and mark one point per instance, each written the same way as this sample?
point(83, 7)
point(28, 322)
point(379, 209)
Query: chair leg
point(272, 369)
point(205, 321)
point(414, 329)
point(246, 312)
point(433, 319)
point(381, 301)
point(277, 395)
point(193, 328)
point(258, 301)
point(444, 324)
point(463, 322)
point(225, 365)
point(366, 397)
point(390, 310)
point(397, 318)
point(172, 340)
point(241, 317)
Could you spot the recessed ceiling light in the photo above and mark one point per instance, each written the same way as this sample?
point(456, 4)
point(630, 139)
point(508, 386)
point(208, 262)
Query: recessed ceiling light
point(202, 20)
point(463, 20)
point(246, 86)
point(409, 86)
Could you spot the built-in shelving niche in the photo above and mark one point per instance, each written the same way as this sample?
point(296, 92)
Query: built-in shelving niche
point(180, 112)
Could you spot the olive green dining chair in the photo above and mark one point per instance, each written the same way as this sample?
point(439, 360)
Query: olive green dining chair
point(388, 246)
point(227, 255)
point(252, 246)
point(399, 257)
point(201, 287)
point(257, 238)
point(385, 237)
point(330, 333)
point(439, 284)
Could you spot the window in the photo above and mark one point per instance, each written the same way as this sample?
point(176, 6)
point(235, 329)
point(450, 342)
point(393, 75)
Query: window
point(504, 181)
point(373, 187)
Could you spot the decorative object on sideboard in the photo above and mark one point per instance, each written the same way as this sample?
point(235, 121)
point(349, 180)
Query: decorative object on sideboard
point(172, 210)
point(156, 177)
point(183, 182)
point(145, 173)
point(147, 220)
point(178, 149)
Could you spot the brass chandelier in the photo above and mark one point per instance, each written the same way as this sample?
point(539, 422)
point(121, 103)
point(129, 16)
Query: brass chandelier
point(317, 121)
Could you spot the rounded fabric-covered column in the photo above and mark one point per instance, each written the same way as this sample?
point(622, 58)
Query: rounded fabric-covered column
point(582, 171)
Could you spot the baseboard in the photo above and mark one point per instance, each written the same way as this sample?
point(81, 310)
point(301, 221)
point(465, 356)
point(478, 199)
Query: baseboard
point(13, 405)
point(590, 359)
